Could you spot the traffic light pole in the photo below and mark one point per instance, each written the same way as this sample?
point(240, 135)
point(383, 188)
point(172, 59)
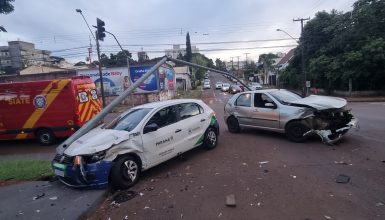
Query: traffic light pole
point(100, 71)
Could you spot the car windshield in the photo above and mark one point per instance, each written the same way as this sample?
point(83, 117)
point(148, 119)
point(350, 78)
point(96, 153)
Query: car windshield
point(284, 96)
point(226, 84)
point(128, 121)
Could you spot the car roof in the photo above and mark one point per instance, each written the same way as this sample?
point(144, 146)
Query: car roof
point(167, 103)
point(264, 90)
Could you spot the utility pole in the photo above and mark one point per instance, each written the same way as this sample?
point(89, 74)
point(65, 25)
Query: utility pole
point(232, 65)
point(100, 71)
point(302, 45)
point(238, 61)
point(246, 56)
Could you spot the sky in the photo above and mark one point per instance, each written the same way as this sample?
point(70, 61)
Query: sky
point(219, 28)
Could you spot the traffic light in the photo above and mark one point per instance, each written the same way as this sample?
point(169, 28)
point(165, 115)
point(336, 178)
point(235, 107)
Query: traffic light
point(100, 26)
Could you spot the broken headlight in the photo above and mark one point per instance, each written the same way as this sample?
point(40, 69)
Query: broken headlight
point(93, 158)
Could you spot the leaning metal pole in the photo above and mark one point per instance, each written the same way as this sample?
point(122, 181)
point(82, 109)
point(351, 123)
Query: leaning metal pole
point(94, 121)
point(207, 68)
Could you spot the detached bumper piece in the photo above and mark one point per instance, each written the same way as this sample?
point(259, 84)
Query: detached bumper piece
point(83, 175)
point(331, 137)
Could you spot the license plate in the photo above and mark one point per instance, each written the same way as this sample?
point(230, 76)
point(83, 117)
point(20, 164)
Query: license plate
point(59, 169)
point(59, 173)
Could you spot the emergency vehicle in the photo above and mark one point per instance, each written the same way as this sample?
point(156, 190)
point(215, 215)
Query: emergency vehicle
point(46, 109)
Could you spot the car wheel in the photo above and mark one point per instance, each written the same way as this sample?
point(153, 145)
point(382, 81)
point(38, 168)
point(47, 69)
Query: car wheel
point(125, 172)
point(45, 136)
point(295, 130)
point(211, 139)
point(233, 125)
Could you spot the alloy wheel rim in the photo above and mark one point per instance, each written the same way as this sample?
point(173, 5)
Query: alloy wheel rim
point(131, 169)
point(212, 137)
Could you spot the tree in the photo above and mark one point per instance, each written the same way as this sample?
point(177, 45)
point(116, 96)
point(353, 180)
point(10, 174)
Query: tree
point(6, 6)
point(188, 55)
point(267, 61)
point(220, 65)
point(342, 47)
point(116, 60)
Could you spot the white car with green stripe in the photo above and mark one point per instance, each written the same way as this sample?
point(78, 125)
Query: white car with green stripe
point(137, 140)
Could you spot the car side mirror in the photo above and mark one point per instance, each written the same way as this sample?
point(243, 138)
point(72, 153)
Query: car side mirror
point(150, 128)
point(269, 105)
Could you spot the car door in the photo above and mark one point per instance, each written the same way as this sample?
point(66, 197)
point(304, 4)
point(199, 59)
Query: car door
point(194, 124)
point(243, 109)
point(263, 114)
point(160, 145)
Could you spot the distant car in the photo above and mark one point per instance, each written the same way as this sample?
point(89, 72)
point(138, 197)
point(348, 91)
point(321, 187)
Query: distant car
point(140, 138)
point(225, 87)
point(218, 85)
point(234, 89)
point(255, 86)
point(286, 112)
point(206, 85)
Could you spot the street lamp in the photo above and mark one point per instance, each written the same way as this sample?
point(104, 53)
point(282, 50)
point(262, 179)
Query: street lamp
point(304, 87)
point(80, 12)
point(288, 35)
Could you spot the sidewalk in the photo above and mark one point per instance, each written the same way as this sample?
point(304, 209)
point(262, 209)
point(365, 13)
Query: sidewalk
point(47, 200)
point(366, 99)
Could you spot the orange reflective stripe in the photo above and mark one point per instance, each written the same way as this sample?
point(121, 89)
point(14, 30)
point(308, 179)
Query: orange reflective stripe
point(50, 95)
point(84, 111)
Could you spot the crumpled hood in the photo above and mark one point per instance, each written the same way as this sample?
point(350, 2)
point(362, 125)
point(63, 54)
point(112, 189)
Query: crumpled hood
point(96, 140)
point(320, 102)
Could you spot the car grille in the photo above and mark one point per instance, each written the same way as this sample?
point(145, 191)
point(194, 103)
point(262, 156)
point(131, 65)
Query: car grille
point(62, 158)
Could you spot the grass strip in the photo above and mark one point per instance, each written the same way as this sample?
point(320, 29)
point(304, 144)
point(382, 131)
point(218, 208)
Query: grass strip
point(25, 169)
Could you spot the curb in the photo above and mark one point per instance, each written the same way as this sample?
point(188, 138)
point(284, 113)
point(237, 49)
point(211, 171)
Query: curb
point(94, 206)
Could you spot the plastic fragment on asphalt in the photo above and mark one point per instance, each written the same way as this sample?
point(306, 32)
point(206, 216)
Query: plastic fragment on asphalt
point(342, 178)
point(293, 176)
point(263, 162)
point(230, 200)
point(379, 204)
point(37, 211)
point(126, 217)
point(244, 164)
point(53, 198)
point(146, 207)
point(327, 217)
point(220, 214)
point(38, 196)
point(141, 194)
point(258, 204)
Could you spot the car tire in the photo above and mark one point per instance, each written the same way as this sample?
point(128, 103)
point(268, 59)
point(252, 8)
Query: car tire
point(233, 125)
point(210, 140)
point(295, 130)
point(45, 136)
point(125, 172)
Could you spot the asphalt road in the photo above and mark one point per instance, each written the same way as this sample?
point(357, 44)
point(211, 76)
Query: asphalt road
point(270, 177)
point(297, 182)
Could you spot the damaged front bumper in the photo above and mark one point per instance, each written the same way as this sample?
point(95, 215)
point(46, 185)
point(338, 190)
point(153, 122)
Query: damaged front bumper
point(91, 175)
point(331, 137)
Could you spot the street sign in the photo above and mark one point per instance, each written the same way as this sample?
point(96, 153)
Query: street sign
point(307, 84)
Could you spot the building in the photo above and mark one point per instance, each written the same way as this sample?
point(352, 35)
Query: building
point(142, 56)
point(176, 50)
point(19, 55)
point(183, 78)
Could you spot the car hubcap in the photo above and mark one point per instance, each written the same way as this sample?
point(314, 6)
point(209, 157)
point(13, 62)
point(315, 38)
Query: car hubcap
point(298, 132)
point(44, 138)
point(132, 169)
point(212, 137)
